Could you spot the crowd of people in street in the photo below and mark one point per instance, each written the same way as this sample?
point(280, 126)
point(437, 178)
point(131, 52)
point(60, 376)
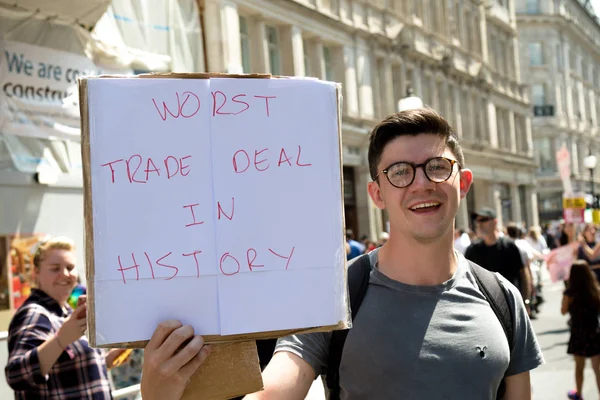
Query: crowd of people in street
point(520, 255)
point(355, 248)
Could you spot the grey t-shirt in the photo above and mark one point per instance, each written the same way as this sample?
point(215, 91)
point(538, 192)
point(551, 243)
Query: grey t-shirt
point(425, 342)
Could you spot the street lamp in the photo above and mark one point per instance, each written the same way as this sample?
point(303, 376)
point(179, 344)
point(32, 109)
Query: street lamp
point(589, 162)
point(409, 102)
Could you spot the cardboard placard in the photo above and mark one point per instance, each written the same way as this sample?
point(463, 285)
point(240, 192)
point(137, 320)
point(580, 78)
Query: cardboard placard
point(214, 200)
point(230, 371)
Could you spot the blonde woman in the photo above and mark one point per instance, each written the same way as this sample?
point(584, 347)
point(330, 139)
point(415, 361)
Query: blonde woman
point(536, 239)
point(48, 355)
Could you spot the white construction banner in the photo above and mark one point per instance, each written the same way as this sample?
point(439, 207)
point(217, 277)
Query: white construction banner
point(39, 96)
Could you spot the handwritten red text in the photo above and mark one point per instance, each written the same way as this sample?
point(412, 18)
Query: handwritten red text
point(242, 160)
point(230, 264)
point(140, 170)
point(187, 104)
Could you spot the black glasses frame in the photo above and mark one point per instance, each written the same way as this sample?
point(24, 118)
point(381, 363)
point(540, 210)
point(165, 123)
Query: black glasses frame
point(414, 170)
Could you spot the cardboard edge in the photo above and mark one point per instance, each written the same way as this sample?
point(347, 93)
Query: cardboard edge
point(203, 75)
point(87, 209)
point(218, 339)
point(339, 98)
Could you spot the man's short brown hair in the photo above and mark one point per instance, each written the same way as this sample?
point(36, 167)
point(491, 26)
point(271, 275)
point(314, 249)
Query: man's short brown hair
point(411, 122)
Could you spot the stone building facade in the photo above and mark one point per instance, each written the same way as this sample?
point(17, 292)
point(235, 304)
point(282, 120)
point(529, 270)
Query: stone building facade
point(560, 59)
point(460, 56)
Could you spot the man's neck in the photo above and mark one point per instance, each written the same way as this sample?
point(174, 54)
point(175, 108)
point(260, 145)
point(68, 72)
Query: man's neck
point(412, 262)
point(491, 238)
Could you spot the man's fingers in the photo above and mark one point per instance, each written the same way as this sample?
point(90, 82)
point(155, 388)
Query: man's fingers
point(177, 340)
point(188, 370)
point(163, 330)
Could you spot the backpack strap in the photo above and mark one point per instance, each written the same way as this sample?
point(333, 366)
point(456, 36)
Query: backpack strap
point(492, 289)
point(496, 295)
point(358, 282)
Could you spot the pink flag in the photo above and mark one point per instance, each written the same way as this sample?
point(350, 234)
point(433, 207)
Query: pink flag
point(560, 260)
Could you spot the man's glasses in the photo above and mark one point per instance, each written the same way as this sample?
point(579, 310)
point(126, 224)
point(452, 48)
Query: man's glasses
point(484, 219)
point(402, 174)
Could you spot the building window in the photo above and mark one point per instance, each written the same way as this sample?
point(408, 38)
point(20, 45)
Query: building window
point(587, 101)
point(524, 203)
point(468, 37)
point(418, 8)
point(458, 23)
point(397, 84)
point(306, 51)
point(575, 100)
point(477, 35)
point(442, 99)
point(563, 99)
point(501, 128)
point(273, 47)
point(465, 114)
point(544, 154)
point(506, 202)
point(521, 127)
point(507, 58)
point(492, 52)
point(533, 6)
point(535, 54)
point(379, 98)
point(327, 60)
point(538, 94)
point(479, 131)
point(559, 56)
point(499, 56)
point(452, 107)
point(350, 210)
point(550, 202)
point(245, 44)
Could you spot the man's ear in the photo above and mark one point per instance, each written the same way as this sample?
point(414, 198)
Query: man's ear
point(466, 180)
point(375, 194)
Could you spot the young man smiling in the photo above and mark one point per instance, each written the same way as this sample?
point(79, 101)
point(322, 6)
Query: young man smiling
point(424, 329)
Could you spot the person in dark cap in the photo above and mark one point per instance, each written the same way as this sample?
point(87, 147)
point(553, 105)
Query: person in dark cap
point(499, 254)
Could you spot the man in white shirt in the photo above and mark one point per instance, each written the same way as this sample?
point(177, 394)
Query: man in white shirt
point(461, 240)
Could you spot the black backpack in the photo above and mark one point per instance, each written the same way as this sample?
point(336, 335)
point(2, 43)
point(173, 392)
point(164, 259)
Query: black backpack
point(358, 282)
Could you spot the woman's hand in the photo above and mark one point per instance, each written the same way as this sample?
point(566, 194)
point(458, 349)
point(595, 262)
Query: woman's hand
point(74, 326)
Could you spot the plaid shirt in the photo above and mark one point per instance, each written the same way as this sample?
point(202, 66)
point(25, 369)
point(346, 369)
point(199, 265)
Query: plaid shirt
point(79, 373)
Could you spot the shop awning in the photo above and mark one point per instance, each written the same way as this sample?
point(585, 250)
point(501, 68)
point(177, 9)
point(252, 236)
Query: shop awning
point(86, 12)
